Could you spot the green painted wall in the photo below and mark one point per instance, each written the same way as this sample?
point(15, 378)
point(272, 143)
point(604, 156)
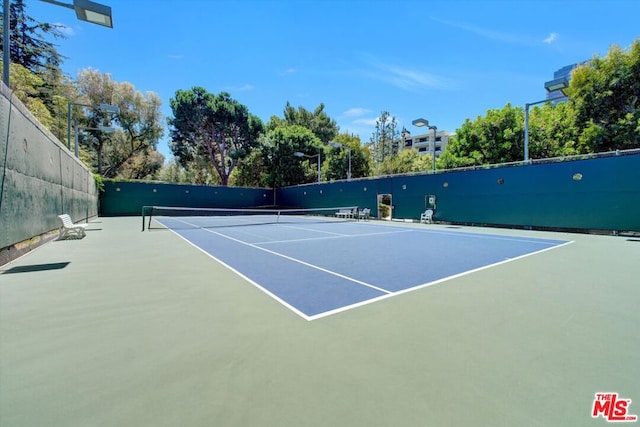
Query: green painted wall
point(607, 196)
point(39, 178)
point(128, 198)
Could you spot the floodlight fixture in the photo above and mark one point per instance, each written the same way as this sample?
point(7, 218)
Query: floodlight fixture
point(557, 84)
point(300, 154)
point(420, 122)
point(424, 122)
point(88, 11)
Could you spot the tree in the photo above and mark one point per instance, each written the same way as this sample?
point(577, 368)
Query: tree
point(605, 93)
point(552, 131)
point(28, 46)
point(406, 161)
point(215, 127)
point(496, 138)
point(138, 133)
point(336, 165)
point(318, 122)
point(385, 141)
point(281, 166)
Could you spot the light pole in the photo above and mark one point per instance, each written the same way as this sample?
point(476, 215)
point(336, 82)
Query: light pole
point(423, 122)
point(86, 10)
point(102, 107)
point(526, 122)
point(300, 154)
point(559, 84)
point(106, 129)
point(338, 145)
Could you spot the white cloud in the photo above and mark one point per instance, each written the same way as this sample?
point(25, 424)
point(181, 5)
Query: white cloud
point(65, 30)
point(243, 88)
point(484, 32)
point(408, 78)
point(366, 122)
point(552, 37)
point(356, 112)
point(288, 71)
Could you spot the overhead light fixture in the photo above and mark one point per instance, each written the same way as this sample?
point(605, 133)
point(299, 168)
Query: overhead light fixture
point(557, 84)
point(89, 11)
point(420, 122)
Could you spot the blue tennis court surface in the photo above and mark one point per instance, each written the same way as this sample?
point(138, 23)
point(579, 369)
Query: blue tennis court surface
point(321, 268)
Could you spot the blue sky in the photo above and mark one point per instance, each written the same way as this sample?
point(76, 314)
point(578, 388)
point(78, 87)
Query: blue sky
point(445, 61)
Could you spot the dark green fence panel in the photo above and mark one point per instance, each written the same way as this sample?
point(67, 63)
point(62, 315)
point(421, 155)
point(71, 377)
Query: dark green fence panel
point(128, 198)
point(39, 178)
point(599, 194)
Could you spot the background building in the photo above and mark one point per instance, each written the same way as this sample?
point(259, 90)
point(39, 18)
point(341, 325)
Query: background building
point(423, 143)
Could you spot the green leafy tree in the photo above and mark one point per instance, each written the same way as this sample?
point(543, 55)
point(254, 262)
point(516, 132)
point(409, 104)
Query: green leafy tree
point(496, 138)
point(406, 161)
point(552, 131)
point(29, 46)
point(281, 166)
point(317, 121)
point(32, 53)
point(336, 165)
point(606, 95)
point(139, 126)
point(252, 172)
point(215, 127)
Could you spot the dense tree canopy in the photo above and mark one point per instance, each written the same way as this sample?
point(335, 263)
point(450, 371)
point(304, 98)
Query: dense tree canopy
point(129, 152)
point(336, 165)
point(282, 167)
point(605, 93)
point(317, 121)
point(215, 127)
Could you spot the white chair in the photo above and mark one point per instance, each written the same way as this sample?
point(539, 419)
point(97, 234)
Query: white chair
point(426, 216)
point(364, 214)
point(69, 230)
point(344, 213)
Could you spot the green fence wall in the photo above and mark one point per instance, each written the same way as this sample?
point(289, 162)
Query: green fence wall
point(39, 178)
point(128, 198)
point(595, 194)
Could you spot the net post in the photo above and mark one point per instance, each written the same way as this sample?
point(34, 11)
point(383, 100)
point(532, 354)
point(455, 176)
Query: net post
point(150, 215)
point(143, 217)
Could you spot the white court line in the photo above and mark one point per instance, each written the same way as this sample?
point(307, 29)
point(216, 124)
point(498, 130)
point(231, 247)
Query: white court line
point(257, 285)
point(387, 294)
point(342, 236)
point(491, 237)
point(315, 231)
point(324, 270)
point(426, 285)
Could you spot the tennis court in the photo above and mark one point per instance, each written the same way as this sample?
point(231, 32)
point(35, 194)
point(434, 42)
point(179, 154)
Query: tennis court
point(317, 265)
point(132, 329)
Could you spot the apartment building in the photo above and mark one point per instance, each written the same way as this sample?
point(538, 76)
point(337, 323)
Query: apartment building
point(423, 143)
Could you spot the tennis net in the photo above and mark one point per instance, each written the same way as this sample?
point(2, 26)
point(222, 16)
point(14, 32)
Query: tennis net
point(184, 217)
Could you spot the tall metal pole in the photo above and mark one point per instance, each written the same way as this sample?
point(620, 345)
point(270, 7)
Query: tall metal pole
point(6, 42)
point(526, 121)
point(349, 172)
point(526, 132)
point(433, 147)
point(75, 128)
point(318, 167)
point(69, 125)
